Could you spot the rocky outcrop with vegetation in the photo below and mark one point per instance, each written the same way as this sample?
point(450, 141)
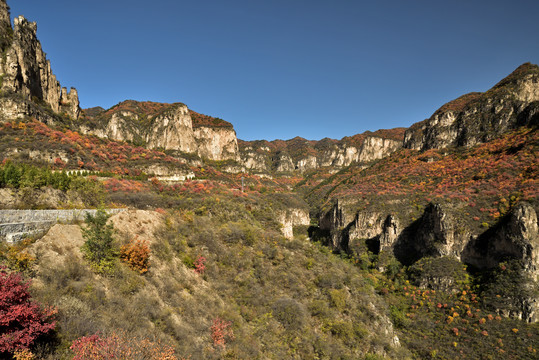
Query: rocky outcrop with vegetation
point(301, 155)
point(479, 117)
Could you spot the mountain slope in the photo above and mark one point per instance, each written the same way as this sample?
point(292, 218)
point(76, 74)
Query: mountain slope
point(479, 117)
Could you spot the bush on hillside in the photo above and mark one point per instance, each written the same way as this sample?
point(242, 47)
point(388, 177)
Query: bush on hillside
point(119, 346)
point(22, 321)
point(136, 254)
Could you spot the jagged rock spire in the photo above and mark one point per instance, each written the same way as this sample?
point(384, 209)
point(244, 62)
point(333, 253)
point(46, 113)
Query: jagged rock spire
point(26, 70)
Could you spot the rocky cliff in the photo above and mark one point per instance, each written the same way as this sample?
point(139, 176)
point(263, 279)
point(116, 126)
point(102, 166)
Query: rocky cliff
point(479, 117)
point(292, 218)
point(215, 137)
point(301, 155)
point(164, 126)
point(441, 232)
point(27, 76)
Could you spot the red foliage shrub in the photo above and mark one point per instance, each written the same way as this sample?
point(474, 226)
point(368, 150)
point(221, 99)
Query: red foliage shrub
point(199, 265)
point(21, 320)
point(220, 332)
point(119, 346)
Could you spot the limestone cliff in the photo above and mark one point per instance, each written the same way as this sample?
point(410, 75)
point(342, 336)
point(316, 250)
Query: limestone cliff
point(172, 130)
point(441, 233)
point(479, 117)
point(26, 73)
point(301, 155)
point(164, 126)
point(156, 125)
point(515, 237)
point(216, 138)
point(292, 218)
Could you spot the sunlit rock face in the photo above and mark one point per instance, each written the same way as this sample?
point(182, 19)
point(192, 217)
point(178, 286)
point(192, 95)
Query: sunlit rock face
point(27, 75)
point(479, 117)
point(301, 155)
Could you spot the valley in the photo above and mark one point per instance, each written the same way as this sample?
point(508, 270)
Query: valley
point(150, 231)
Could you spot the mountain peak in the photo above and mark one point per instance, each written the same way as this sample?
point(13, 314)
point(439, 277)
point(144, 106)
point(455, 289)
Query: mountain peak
point(518, 74)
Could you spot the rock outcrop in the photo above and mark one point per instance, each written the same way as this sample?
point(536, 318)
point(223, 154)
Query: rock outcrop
point(155, 125)
point(292, 218)
point(479, 117)
point(27, 75)
point(216, 138)
point(516, 236)
point(172, 130)
point(301, 155)
point(437, 233)
point(440, 234)
point(164, 126)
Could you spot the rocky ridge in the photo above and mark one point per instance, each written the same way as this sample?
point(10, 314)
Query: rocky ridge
point(439, 232)
point(301, 155)
point(175, 127)
point(164, 126)
point(28, 87)
point(443, 228)
point(479, 117)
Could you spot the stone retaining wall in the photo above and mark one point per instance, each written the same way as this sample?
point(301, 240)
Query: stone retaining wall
point(15, 225)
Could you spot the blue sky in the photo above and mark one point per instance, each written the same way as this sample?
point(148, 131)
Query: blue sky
point(286, 68)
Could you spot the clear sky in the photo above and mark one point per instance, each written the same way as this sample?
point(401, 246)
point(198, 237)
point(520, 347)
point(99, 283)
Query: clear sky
point(286, 68)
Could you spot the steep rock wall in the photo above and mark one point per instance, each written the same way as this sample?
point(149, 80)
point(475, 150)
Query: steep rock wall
point(440, 233)
point(292, 218)
point(173, 130)
point(516, 236)
point(26, 71)
point(216, 143)
point(302, 155)
point(164, 126)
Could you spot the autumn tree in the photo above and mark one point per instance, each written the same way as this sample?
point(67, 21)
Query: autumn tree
point(98, 248)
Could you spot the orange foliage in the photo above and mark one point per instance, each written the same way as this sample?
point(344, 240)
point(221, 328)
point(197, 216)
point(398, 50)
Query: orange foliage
point(136, 254)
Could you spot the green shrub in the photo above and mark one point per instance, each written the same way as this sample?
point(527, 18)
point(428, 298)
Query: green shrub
point(290, 313)
point(98, 247)
point(91, 191)
point(398, 317)
point(338, 298)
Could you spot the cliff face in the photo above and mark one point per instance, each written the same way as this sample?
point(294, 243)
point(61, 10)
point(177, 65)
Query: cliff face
point(26, 72)
point(155, 125)
point(514, 237)
point(292, 218)
point(216, 138)
point(479, 117)
point(440, 232)
point(301, 155)
point(164, 126)
point(172, 130)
